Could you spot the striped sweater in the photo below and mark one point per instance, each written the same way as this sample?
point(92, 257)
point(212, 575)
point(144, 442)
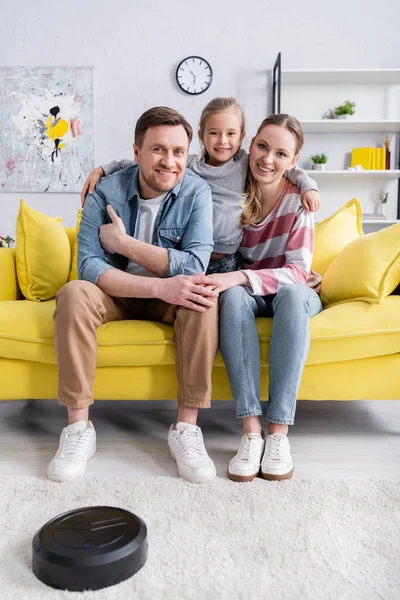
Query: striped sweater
point(278, 251)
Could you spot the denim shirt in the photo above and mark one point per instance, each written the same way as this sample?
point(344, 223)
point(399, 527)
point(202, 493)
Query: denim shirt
point(184, 224)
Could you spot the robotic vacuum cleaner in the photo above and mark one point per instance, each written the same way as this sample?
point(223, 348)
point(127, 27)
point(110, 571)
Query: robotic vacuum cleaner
point(89, 548)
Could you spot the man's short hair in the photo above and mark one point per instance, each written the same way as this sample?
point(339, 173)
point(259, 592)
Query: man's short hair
point(160, 115)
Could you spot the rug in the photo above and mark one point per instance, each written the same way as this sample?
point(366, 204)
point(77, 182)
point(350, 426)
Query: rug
point(301, 539)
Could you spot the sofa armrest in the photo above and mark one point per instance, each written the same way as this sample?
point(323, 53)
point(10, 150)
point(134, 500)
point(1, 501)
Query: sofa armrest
point(9, 288)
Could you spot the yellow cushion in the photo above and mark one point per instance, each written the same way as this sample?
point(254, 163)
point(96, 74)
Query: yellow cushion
point(333, 234)
point(74, 263)
point(346, 332)
point(43, 254)
point(368, 269)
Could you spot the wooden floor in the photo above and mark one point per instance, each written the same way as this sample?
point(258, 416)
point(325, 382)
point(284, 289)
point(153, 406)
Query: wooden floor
point(332, 440)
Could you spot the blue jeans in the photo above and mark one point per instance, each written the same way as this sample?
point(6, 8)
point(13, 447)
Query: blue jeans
point(291, 309)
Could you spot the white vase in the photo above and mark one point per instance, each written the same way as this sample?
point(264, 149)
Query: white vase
point(344, 117)
point(318, 167)
point(381, 208)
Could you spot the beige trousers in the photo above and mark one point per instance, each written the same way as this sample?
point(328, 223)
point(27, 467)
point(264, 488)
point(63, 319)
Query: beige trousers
point(82, 307)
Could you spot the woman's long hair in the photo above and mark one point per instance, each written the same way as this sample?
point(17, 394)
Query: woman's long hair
point(252, 206)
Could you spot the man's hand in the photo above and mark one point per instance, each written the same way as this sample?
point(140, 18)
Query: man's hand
point(191, 291)
point(112, 235)
point(311, 200)
point(90, 183)
point(224, 281)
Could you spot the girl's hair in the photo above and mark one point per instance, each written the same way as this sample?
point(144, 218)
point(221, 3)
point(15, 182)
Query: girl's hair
point(252, 207)
point(216, 106)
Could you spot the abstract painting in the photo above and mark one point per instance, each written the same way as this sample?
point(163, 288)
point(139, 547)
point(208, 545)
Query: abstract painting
point(46, 128)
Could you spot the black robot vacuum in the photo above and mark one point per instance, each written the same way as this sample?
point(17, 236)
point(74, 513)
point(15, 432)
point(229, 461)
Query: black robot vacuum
point(89, 548)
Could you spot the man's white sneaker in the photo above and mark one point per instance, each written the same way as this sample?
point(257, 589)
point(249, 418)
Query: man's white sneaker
point(277, 461)
point(245, 465)
point(187, 448)
point(77, 446)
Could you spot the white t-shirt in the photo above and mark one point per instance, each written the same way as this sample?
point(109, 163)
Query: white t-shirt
point(147, 215)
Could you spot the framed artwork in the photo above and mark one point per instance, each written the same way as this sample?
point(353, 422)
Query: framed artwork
point(46, 128)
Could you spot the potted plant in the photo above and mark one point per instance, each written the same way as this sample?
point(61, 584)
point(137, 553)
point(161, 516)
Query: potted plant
point(319, 161)
point(6, 242)
point(345, 110)
point(382, 200)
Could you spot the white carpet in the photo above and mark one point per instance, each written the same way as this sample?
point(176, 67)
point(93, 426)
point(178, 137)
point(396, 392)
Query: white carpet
point(316, 540)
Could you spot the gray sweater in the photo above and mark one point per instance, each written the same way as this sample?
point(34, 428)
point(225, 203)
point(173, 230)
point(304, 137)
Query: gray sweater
point(227, 184)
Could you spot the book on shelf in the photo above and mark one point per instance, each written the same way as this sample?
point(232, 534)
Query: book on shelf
point(371, 159)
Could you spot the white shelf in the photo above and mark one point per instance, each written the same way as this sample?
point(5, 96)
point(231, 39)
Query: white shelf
point(349, 126)
point(390, 174)
point(380, 221)
point(335, 76)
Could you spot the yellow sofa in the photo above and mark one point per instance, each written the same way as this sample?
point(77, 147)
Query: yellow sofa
point(354, 354)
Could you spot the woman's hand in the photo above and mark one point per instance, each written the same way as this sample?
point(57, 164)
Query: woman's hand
point(225, 281)
point(311, 200)
point(90, 183)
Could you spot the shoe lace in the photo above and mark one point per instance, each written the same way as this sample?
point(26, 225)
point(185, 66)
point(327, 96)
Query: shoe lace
point(275, 447)
point(247, 449)
point(191, 442)
point(71, 443)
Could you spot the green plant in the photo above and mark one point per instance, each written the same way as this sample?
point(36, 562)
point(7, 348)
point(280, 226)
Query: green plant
point(6, 242)
point(383, 196)
point(319, 159)
point(347, 108)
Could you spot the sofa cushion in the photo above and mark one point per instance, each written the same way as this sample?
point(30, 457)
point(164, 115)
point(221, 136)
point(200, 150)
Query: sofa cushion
point(43, 254)
point(343, 332)
point(368, 269)
point(333, 234)
point(74, 262)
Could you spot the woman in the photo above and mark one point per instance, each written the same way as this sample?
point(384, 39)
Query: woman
point(276, 281)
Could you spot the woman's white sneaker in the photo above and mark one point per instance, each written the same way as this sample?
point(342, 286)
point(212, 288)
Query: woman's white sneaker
point(277, 461)
point(77, 446)
point(187, 448)
point(245, 465)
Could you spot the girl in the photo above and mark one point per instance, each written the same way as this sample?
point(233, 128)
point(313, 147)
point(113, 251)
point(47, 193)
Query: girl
point(276, 281)
point(224, 165)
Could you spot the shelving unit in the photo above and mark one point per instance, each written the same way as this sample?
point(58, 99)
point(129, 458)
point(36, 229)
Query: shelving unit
point(311, 92)
point(349, 126)
point(390, 174)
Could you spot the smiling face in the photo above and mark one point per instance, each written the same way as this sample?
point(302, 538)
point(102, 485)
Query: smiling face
point(222, 136)
point(162, 158)
point(272, 153)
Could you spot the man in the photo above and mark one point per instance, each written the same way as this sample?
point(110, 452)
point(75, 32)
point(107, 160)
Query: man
point(144, 242)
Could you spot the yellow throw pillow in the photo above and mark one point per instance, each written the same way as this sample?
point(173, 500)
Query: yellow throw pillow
point(74, 263)
point(333, 234)
point(43, 254)
point(367, 269)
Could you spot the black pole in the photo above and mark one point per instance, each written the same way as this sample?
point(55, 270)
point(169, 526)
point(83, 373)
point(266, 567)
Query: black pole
point(398, 180)
point(276, 85)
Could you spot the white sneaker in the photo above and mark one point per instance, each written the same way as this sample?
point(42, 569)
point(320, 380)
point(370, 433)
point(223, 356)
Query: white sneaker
point(245, 465)
point(187, 448)
point(77, 446)
point(277, 461)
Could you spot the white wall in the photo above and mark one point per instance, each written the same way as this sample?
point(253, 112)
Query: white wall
point(136, 46)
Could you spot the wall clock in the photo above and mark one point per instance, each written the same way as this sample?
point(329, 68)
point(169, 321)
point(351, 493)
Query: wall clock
point(194, 75)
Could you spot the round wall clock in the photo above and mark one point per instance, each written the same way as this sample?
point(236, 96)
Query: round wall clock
point(194, 75)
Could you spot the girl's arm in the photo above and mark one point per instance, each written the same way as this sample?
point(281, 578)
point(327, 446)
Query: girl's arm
point(310, 197)
point(99, 172)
